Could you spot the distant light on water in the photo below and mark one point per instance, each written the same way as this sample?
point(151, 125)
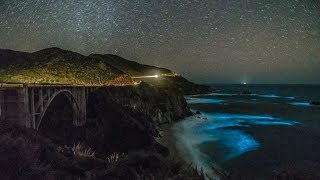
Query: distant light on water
point(244, 79)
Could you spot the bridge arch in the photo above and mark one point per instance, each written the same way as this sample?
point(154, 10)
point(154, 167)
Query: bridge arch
point(71, 99)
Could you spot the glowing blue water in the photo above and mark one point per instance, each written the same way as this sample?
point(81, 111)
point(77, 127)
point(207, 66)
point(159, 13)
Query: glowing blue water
point(227, 120)
point(274, 96)
point(214, 94)
point(236, 141)
point(213, 138)
point(306, 104)
point(223, 129)
point(237, 126)
point(192, 100)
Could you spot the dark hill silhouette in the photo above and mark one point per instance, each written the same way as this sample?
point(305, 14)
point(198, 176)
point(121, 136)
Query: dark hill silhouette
point(9, 57)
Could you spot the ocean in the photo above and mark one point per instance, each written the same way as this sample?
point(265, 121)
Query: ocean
point(272, 132)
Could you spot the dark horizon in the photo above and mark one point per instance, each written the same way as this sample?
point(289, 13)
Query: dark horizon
point(205, 41)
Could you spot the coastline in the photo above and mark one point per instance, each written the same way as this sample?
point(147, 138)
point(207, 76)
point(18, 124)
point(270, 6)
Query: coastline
point(168, 139)
point(278, 153)
point(120, 131)
point(132, 117)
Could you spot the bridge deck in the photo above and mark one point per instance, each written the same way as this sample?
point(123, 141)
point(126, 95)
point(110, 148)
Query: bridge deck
point(20, 85)
point(4, 85)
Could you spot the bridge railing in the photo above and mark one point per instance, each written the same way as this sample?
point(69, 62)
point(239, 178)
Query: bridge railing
point(21, 85)
point(11, 85)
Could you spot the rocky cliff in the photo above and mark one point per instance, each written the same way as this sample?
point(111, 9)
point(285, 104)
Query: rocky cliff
point(162, 105)
point(118, 141)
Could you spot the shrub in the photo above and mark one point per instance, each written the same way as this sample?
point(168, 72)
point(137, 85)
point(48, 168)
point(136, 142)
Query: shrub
point(80, 150)
point(114, 158)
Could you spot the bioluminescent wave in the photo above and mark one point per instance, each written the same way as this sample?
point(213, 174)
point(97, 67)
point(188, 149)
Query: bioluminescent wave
point(213, 94)
point(236, 142)
point(275, 96)
point(192, 100)
point(271, 96)
point(223, 94)
point(228, 120)
point(223, 130)
point(305, 104)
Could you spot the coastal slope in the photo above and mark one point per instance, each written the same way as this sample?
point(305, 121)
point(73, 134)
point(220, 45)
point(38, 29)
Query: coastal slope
point(121, 131)
point(118, 140)
point(165, 78)
point(58, 66)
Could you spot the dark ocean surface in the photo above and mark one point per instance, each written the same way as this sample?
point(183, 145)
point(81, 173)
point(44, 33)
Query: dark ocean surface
point(272, 131)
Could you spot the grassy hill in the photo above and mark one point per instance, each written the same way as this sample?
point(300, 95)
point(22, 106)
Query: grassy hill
point(58, 66)
point(131, 67)
point(168, 78)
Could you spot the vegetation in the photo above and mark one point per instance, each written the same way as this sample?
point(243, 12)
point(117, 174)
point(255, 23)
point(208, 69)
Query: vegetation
point(168, 78)
point(27, 154)
point(114, 158)
point(57, 66)
point(126, 124)
point(130, 67)
point(80, 150)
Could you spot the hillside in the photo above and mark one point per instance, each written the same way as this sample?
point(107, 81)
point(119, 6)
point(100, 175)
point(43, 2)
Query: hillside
point(58, 66)
point(131, 67)
point(166, 79)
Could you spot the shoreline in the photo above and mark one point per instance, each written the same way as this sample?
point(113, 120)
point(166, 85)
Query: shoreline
point(283, 150)
point(168, 139)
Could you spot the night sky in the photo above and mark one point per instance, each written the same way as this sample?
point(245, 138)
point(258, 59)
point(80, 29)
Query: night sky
point(216, 41)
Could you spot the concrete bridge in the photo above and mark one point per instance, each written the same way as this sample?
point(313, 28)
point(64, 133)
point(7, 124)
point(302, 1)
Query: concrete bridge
point(26, 104)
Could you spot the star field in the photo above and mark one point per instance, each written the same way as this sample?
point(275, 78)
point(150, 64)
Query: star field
point(229, 41)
